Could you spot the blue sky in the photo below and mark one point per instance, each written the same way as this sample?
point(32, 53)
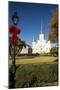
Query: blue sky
point(31, 16)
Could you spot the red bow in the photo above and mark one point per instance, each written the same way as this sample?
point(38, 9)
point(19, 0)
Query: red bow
point(14, 31)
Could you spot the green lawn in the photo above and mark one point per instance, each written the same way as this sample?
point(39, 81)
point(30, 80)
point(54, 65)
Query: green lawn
point(29, 60)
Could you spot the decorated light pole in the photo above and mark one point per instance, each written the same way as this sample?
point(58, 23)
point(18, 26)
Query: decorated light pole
point(13, 30)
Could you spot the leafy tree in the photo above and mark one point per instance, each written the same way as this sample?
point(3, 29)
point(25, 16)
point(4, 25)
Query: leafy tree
point(54, 51)
point(53, 35)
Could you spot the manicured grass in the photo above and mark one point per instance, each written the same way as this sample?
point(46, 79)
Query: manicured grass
point(26, 60)
point(36, 75)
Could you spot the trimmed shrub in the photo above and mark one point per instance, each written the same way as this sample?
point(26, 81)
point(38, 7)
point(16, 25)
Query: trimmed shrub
point(36, 75)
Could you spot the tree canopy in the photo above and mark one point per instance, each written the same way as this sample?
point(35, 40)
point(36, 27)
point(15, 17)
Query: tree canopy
point(53, 34)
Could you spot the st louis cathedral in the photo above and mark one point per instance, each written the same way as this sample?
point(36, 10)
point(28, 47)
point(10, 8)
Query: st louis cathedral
point(41, 46)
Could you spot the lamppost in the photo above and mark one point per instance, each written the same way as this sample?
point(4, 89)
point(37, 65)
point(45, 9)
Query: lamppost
point(14, 31)
point(15, 20)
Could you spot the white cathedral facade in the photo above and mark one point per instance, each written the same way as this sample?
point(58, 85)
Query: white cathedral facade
point(41, 46)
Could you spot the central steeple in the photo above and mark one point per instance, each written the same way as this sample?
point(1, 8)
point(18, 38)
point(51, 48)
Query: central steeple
point(33, 39)
point(41, 28)
point(41, 35)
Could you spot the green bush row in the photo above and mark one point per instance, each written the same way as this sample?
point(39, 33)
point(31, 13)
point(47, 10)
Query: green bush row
point(35, 75)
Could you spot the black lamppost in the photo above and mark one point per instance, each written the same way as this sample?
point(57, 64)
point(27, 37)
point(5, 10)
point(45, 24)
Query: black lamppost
point(15, 20)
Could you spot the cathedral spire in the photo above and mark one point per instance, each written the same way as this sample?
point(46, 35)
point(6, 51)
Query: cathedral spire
point(41, 28)
point(33, 39)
